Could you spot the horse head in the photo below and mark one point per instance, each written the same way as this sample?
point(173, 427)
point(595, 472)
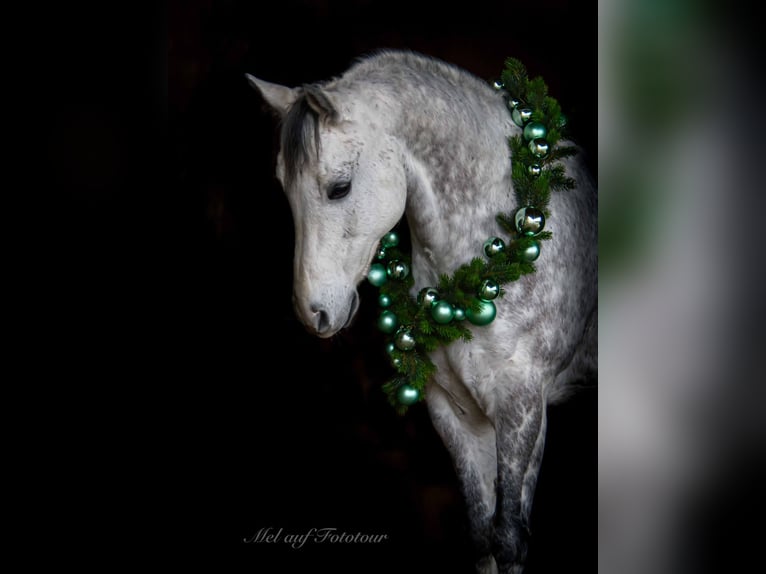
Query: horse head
point(344, 178)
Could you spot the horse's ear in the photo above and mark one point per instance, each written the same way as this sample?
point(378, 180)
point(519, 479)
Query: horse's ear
point(319, 101)
point(280, 98)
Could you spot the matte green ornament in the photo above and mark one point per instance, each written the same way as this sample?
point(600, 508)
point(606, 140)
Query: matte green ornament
point(404, 340)
point(385, 300)
point(493, 246)
point(529, 221)
point(390, 239)
point(534, 130)
point(377, 274)
point(521, 116)
point(442, 312)
point(408, 395)
point(380, 253)
point(484, 316)
point(531, 252)
point(387, 322)
point(427, 297)
point(539, 147)
point(489, 290)
point(459, 314)
point(534, 170)
point(398, 269)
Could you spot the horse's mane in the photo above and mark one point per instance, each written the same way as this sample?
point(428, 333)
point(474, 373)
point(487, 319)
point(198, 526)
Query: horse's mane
point(299, 131)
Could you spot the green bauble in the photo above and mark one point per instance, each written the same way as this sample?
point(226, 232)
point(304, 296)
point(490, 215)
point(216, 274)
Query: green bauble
point(539, 147)
point(398, 269)
point(489, 290)
point(513, 103)
point(534, 130)
point(404, 340)
point(531, 252)
point(459, 314)
point(427, 297)
point(385, 300)
point(484, 316)
point(390, 239)
point(493, 246)
point(529, 221)
point(380, 253)
point(442, 312)
point(396, 362)
point(387, 322)
point(408, 395)
point(534, 170)
point(377, 274)
point(521, 116)
point(390, 347)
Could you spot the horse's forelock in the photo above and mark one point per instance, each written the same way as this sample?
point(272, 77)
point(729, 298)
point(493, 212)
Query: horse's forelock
point(300, 137)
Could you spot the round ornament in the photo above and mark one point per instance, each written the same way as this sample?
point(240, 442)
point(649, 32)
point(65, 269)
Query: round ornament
point(408, 395)
point(390, 239)
point(404, 340)
point(398, 269)
point(384, 300)
point(377, 274)
point(493, 246)
point(521, 116)
point(442, 312)
point(387, 322)
point(534, 130)
point(539, 147)
point(427, 297)
point(529, 221)
point(484, 316)
point(489, 290)
point(534, 170)
point(531, 252)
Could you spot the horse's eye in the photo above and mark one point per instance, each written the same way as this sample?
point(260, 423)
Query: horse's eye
point(339, 189)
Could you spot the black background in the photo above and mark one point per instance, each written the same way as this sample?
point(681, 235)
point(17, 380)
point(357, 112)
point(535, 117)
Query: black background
point(195, 394)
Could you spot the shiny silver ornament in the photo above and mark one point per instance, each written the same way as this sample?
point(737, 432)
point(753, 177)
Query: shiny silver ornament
point(489, 290)
point(404, 340)
point(521, 116)
point(427, 297)
point(534, 170)
point(493, 246)
point(398, 269)
point(529, 221)
point(539, 147)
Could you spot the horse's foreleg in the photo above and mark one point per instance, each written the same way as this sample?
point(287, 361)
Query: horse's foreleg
point(520, 428)
point(470, 439)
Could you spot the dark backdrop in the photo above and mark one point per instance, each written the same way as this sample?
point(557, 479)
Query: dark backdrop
point(193, 395)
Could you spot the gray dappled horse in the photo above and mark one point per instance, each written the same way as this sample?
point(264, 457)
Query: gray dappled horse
point(400, 133)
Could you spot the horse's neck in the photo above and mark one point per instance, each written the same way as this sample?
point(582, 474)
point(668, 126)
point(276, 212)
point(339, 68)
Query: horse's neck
point(458, 179)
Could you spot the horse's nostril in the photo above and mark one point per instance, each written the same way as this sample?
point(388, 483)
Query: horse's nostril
point(323, 321)
point(321, 318)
